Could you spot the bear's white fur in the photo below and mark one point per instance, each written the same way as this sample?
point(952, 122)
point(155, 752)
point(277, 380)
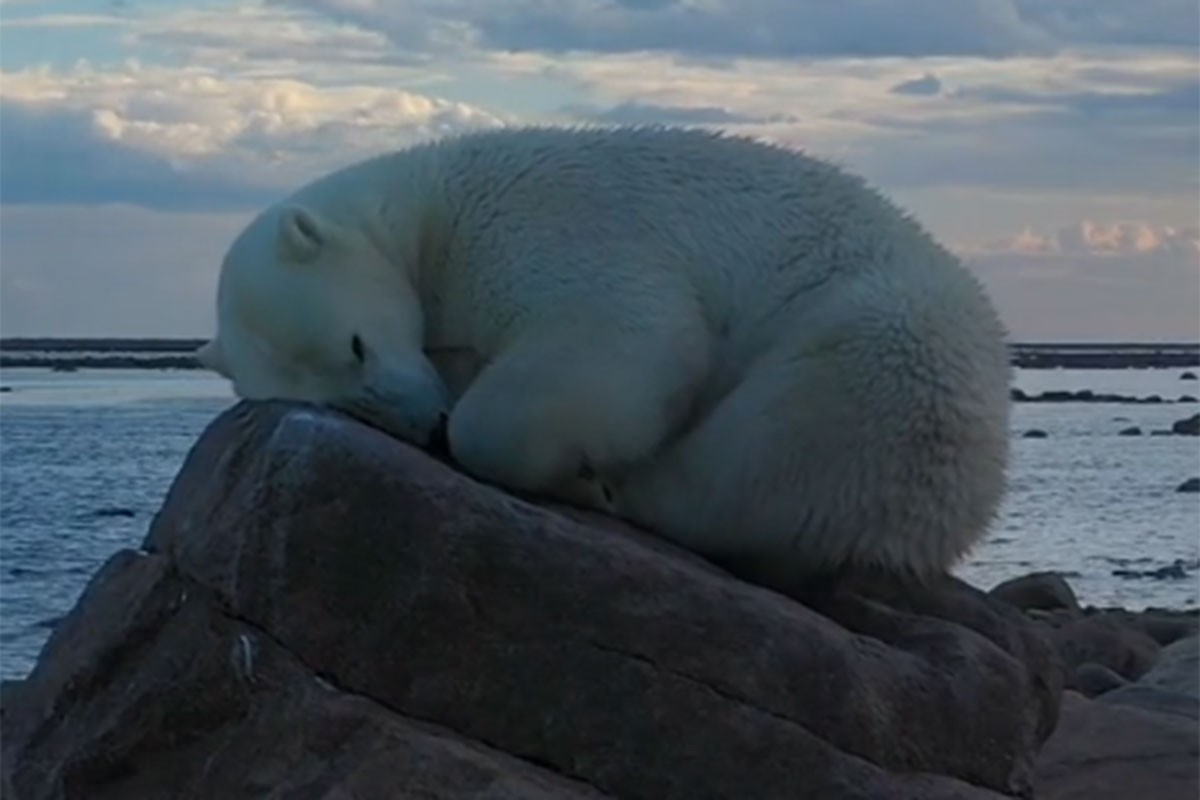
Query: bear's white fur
point(740, 347)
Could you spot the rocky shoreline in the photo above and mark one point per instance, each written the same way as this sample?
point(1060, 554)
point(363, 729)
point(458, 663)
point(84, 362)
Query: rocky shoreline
point(99, 353)
point(321, 611)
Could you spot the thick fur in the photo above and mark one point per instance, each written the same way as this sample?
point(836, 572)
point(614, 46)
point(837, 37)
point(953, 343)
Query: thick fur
point(740, 347)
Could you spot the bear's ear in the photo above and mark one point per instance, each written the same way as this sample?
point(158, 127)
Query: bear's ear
point(211, 357)
point(301, 233)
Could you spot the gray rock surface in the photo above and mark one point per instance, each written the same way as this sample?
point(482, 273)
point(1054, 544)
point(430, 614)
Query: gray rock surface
point(325, 612)
point(1172, 685)
point(1037, 590)
point(1102, 751)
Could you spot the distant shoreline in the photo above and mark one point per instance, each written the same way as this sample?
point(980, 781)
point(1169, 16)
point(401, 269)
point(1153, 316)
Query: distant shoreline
point(161, 353)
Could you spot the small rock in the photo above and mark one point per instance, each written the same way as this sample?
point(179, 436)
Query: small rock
point(115, 511)
point(1092, 679)
point(1160, 432)
point(1190, 486)
point(1186, 398)
point(1166, 626)
point(5, 389)
point(1174, 571)
point(1035, 433)
point(1154, 398)
point(1105, 640)
point(1187, 427)
point(1188, 376)
point(1131, 431)
point(1039, 590)
point(1177, 668)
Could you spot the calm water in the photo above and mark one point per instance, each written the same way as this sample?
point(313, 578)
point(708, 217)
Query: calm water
point(80, 452)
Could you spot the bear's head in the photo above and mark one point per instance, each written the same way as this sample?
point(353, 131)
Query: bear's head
point(312, 310)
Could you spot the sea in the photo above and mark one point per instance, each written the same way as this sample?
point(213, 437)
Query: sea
point(86, 458)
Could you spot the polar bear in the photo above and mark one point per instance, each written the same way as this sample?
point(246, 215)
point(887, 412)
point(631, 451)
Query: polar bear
point(732, 344)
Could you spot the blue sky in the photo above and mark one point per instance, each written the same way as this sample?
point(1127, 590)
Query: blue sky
point(1053, 144)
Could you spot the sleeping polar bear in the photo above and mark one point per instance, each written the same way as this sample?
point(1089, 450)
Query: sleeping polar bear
point(741, 348)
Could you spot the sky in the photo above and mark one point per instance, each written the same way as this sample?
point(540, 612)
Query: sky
point(1053, 144)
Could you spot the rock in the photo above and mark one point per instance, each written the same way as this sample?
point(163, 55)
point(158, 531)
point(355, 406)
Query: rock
point(1175, 571)
point(234, 714)
point(1081, 396)
point(1187, 427)
point(1177, 668)
point(1038, 590)
point(1035, 433)
point(1186, 398)
point(1133, 430)
point(1171, 686)
point(1164, 626)
point(1168, 626)
point(1103, 751)
point(114, 512)
point(1102, 640)
point(1092, 679)
point(1187, 376)
point(7, 689)
point(5, 389)
point(325, 611)
point(1149, 698)
point(1190, 486)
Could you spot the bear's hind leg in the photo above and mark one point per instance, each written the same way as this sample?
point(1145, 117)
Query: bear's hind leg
point(804, 467)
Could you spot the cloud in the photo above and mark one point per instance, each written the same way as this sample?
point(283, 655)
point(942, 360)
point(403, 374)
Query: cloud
point(635, 113)
point(771, 28)
point(1094, 280)
point(1175, 100)
point(1118, 22)
point(52, 155)
point(1111, 239)
point(927, 84)
point(1018, 137)
point(189, 137)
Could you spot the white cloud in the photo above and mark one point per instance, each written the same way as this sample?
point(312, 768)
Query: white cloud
point(770, 28)
point(194, 126)
point(1111, 239)
point(1123, 280)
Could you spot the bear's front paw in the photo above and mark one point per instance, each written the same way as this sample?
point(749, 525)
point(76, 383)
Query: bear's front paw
point(587, 490)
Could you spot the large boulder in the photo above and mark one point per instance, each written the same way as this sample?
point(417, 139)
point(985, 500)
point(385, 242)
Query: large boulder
point(1047, 591)
point(322, 611)
point(1103, 639)
point(1102, 751)
point(1170, 687)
